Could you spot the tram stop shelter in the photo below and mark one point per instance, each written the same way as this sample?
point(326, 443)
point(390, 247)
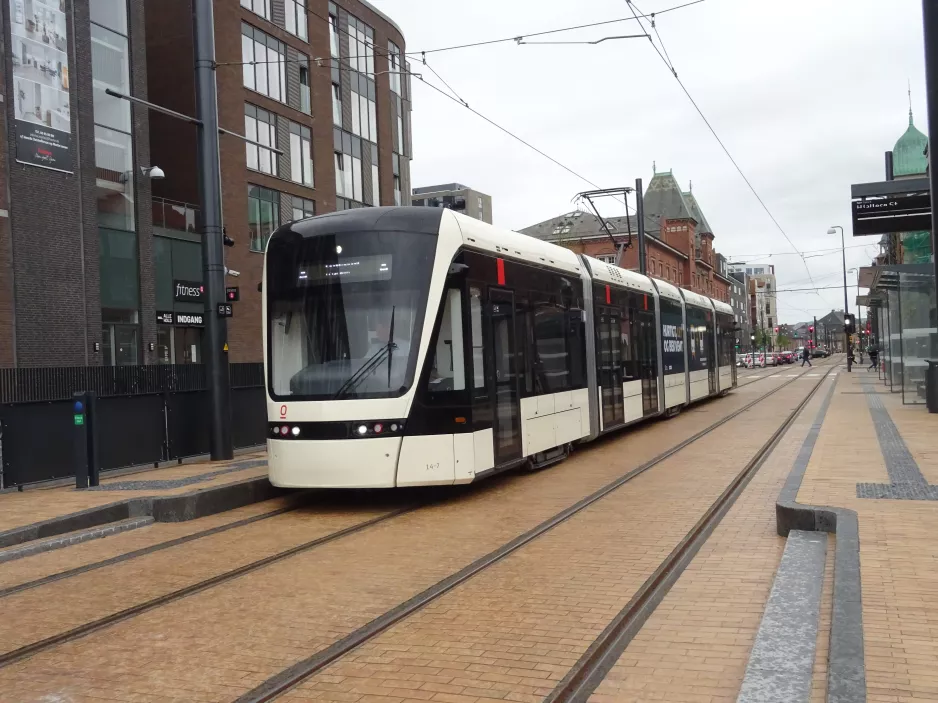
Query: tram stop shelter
point(902, 298)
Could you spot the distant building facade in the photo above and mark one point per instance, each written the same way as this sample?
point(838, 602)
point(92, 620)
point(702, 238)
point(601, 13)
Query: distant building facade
point(763, 299)
point(455, 196)
point(739, 301)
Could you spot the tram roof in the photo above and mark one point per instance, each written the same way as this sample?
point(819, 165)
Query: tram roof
point(666, 290)
point(721, 307)
point(512, 245)
point(614, 275)
point(696, 299)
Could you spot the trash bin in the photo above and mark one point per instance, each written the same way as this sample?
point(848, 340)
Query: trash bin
point(931, 386)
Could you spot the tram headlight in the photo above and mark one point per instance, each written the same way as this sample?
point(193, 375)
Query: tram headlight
point(362, 429)
point(296, 431)
point(394, 427)
point(379, 428)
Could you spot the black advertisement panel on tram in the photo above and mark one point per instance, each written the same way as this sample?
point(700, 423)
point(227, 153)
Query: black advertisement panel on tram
point(672, 337)
point(700, 338)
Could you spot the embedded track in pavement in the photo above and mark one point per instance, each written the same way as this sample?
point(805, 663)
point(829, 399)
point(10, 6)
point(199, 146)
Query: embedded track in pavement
point(326, 656)
point(605, 650)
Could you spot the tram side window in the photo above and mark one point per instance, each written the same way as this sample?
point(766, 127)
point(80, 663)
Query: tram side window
point(448, 369)
point(629, 326)
point(478, 355)
point(552, 371)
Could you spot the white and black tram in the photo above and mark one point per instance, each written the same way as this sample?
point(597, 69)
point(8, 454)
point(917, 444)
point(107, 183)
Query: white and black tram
point(415, 346)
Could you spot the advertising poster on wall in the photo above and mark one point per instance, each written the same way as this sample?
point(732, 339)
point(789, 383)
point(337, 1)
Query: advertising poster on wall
point(41, 104)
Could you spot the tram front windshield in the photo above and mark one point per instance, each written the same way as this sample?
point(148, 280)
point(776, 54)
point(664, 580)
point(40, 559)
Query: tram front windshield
point(345, 312)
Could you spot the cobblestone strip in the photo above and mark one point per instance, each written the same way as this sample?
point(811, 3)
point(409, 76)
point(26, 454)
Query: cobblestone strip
point(906, 481)
point(846, 678)
point(166, 484)
point(47, 545)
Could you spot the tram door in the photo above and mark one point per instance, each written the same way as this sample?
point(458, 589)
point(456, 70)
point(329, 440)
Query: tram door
point(648, 359)
point(712, 355)
point(610, 367)
point(507, 420)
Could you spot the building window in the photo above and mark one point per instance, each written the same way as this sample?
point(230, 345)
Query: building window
point(400, 124)
point(258, 7)
point(607, 258)
point(261, 126)
point(305, 105)
point(333, 31)
point(303, 208)
point(336, 105)
point(263, 215)
point(395, 66)
point(396, 168)
point(481, 209)
point(361, 41)
point(301, 155)
point(264, 58)
point(348, 165)
point(295, 17)
point(364, 119)
point(375, 177)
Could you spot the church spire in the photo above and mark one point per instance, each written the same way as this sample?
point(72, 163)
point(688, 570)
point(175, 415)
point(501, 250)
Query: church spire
point(910, 103)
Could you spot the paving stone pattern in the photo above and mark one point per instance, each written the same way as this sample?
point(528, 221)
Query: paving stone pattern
point(215, 645)
point(906, 481)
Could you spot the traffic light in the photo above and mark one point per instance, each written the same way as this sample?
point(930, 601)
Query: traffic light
point(811, 330)
point(850, 323)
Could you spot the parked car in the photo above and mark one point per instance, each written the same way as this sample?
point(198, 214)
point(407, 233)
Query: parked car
point(820, 352)
point(771, 359)
point(787, 357)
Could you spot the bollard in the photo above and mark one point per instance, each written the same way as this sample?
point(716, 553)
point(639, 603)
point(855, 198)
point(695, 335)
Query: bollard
point(86, 439)
point(931, 386)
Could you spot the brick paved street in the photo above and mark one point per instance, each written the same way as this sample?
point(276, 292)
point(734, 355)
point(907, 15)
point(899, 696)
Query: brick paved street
point(344, 584)
point(898, 550)
point(514, 630)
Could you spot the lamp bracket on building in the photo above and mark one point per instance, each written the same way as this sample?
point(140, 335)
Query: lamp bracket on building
point(187, 118)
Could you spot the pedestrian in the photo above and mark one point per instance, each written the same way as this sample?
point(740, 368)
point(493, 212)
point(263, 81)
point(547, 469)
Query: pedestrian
point(805, 357)
point(874, 358)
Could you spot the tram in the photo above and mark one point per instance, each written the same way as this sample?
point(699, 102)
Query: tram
point(409, 346)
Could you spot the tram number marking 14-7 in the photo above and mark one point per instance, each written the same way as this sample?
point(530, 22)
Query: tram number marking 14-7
point(433, 467)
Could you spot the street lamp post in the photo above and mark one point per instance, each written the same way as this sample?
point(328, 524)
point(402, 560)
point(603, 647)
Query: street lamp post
point(843, 251)
point(860, 327)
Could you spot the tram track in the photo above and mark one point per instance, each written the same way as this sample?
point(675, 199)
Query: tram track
point(377, 625)
point(635, 613)
point(582, 680)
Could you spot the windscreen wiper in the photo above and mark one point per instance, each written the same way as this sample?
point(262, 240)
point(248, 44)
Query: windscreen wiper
point(370, 365)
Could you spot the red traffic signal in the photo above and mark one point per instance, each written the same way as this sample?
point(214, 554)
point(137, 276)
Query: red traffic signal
point(810, 329)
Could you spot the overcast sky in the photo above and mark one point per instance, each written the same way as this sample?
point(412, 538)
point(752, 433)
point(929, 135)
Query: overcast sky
point(806, 95)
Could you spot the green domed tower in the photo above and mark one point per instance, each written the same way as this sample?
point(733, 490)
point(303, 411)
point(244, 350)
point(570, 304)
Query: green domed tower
point(909, 161)
point(909, 153)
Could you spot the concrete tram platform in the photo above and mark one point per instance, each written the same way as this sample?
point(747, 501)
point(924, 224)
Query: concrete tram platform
point(171, 494)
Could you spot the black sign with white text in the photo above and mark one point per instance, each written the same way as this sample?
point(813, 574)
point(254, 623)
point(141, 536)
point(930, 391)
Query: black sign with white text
point(900, 213)
point(188, 291)
point(190, 319)
point(225, 310)
point(164, 318)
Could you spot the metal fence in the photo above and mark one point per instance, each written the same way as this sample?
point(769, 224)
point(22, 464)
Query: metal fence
point(146, 415)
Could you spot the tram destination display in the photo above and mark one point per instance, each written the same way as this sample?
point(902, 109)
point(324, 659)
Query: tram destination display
point(348, 269)
point(41, 101)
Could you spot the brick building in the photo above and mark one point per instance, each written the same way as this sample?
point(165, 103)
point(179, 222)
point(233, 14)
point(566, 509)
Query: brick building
point(75, 239)
point(333, 97)
point(678, 239)
point(91, 248)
